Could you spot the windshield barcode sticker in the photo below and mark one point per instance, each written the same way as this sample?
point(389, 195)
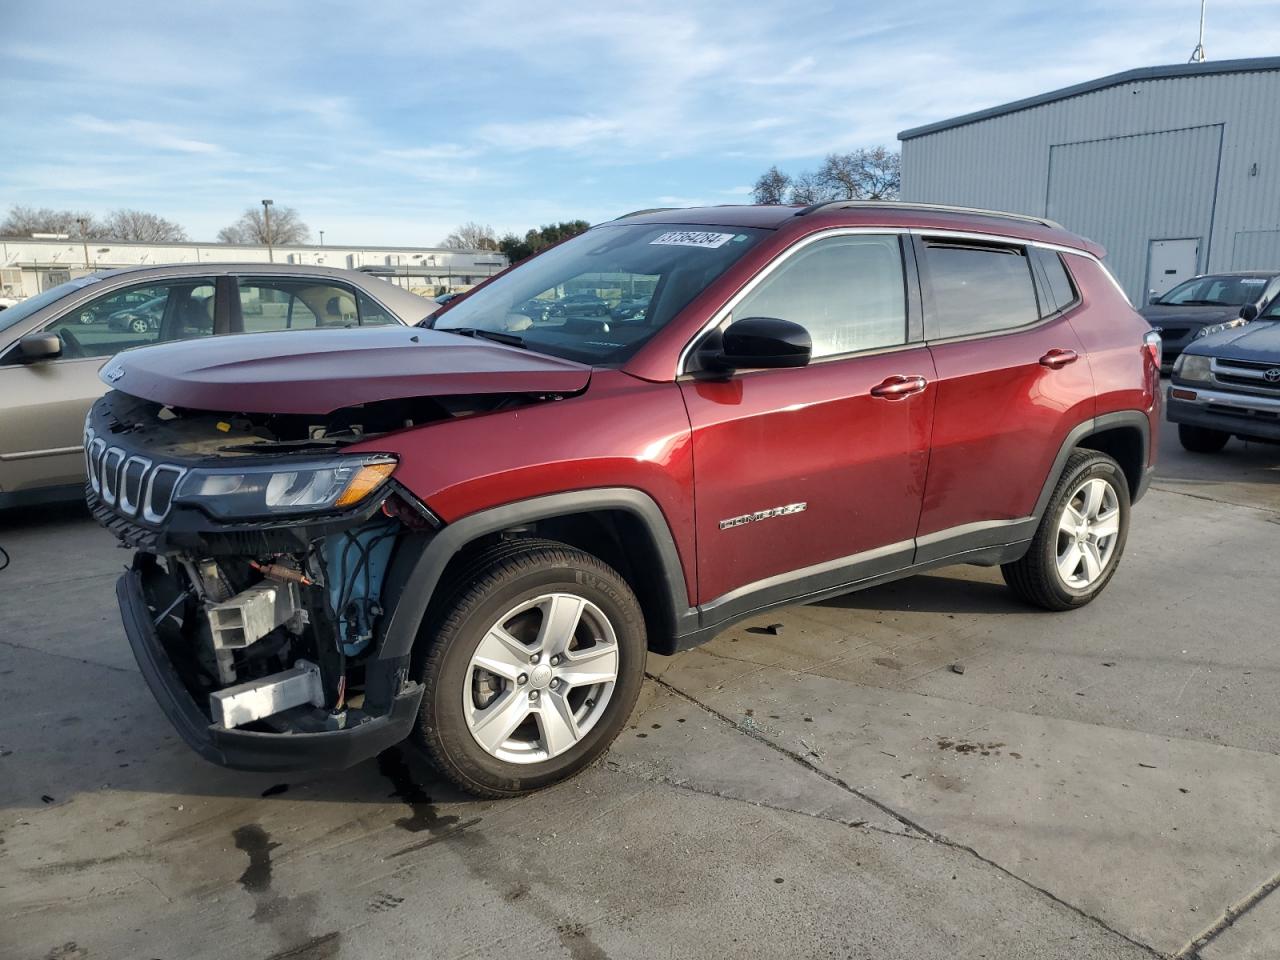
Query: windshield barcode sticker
point(692, 238)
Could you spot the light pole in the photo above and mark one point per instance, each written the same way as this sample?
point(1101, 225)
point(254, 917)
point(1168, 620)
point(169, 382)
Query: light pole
point(322, 238)
point(266, 228)
point(84, 238)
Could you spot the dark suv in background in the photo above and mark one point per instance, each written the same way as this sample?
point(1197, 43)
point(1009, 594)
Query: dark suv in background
point(470, 534)
point(1185, 312)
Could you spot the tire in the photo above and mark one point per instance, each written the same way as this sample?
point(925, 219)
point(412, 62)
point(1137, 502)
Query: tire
point(1201, 439)
point(1038, 577)
point(517, 585)
point(87, 317)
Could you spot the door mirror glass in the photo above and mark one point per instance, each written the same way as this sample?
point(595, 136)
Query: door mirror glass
point(762, 343)
point(1249, 311)
point(40, 346)
point(1153, 297)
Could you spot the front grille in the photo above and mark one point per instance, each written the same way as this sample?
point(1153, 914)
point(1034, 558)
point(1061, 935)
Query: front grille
point(1253, 383)
point(130, 484)
point(1173, 333)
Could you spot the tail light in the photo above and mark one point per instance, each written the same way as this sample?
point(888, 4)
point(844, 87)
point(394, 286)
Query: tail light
point(1152, 344)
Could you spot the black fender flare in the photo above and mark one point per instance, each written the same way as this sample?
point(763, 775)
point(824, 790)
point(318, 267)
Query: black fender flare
point(1105, 421)
point(423, 577)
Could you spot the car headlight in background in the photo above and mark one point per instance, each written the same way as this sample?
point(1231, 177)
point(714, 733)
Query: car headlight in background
point(1219, 327)
point(281, 489)
point(1189, 366)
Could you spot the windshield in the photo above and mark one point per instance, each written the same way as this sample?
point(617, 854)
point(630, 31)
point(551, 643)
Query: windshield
point(598, 297)
point(1216, 292)
point(20, 311)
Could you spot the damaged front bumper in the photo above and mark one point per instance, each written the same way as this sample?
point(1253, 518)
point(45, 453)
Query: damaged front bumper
point(364, 735)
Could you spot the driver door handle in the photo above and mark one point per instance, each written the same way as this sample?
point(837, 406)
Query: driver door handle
point(899, 387)
point(1057, 358)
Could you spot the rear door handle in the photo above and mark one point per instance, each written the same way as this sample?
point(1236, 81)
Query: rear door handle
point(898, 386)
point(1056, 358)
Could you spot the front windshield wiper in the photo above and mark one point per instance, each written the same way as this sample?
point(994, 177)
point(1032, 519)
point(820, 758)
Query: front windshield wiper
point(1206, 303)
point(498, 337)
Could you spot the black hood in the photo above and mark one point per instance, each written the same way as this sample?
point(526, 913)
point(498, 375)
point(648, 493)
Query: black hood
point(1258, 341)
point(1162, 315)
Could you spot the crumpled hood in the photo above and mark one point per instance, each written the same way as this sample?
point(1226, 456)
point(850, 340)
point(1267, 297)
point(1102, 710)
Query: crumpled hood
point(1258, 341)
point(319, 371)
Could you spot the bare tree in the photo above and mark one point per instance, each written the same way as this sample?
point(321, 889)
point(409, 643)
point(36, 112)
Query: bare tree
point(864, 174)
point(772, 186)
point(140, 226)
point(24, 221)
point(472, 236)
point(873, 173)
point(286, 228)
point(807, 188)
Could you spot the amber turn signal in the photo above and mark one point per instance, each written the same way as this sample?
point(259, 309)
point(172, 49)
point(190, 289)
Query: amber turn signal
point(367, 479)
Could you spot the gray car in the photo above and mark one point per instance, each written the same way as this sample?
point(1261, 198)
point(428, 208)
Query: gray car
point(50, 354)
point(1194, 304)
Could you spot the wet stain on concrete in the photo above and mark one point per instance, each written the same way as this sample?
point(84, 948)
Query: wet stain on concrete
point(68, 951)
point(971, 747)
point(383, 902)
point(257, 844)
point(575, 938)
point(393, 766)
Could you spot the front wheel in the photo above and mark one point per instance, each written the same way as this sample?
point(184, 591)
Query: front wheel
point(1081, 536)
point(1201, 439)
point(533, 667)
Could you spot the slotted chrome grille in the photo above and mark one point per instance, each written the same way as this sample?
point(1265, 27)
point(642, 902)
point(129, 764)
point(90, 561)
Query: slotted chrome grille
point(130, 484)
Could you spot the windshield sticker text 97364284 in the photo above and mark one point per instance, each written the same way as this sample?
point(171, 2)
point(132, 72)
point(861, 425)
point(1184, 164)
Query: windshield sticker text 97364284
point(692, 238)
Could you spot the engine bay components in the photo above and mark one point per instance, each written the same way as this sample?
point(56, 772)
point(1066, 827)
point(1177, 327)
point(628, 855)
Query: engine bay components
point(257, 699)
point(252, 614)
point(355, 564)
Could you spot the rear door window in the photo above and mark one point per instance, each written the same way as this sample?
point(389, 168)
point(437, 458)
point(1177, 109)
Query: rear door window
point(977, 288)
point(1062, 292)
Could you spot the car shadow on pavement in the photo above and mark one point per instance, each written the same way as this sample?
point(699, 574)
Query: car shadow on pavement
point(44, 514)
point(932, 593)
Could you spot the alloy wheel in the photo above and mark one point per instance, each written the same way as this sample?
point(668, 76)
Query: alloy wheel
point(1087, 533)
point(540, 678)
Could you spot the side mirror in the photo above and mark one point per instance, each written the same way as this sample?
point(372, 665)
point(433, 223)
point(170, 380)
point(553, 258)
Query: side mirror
point(763, 342)
point(1153, 297)
point(1249, 312)
point(40, 346)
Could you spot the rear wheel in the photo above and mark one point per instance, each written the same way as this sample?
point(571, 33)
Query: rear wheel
point(534, 666)
point(1201, 439)
point(1081, 536)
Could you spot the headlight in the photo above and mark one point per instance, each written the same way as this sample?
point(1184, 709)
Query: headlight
point(286, 488)
point(1219, 327)
point(1192, 367)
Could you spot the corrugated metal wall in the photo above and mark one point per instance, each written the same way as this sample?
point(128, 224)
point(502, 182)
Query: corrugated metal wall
point(1132, 163)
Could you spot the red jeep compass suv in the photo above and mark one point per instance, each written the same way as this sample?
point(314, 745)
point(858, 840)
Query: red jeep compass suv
point(471, 534)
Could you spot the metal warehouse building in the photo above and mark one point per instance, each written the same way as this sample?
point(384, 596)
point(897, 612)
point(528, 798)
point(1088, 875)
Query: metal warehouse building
point(1175, 170)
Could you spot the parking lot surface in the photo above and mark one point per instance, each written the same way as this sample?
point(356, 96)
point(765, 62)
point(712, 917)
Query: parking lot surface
point(822, 781)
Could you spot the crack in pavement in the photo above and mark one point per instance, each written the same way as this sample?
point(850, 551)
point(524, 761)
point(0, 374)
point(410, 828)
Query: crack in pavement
point(66, 656)
point(906, 821)
point(614, 767)
point(1228, 919)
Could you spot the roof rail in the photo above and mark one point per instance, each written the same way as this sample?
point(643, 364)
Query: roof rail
point(636, 213)
point(936, 207)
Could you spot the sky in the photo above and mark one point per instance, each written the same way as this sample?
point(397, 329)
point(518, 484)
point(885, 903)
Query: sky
point(391, 123)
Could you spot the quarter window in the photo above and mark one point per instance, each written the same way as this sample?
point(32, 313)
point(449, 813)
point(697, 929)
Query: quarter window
point(272, 303)
point(848, 292)
point(979, 288)
point(1061, 290)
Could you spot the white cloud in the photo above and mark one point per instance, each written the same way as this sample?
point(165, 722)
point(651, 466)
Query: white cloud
point(154, 135)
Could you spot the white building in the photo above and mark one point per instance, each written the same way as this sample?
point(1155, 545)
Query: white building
point(1175, 170)
point(28, 266)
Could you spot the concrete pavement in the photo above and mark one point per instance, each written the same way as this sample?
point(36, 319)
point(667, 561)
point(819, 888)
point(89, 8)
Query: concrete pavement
point(1099, 783)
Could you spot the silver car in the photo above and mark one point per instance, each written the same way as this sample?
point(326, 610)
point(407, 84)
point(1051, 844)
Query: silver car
point(50, 354)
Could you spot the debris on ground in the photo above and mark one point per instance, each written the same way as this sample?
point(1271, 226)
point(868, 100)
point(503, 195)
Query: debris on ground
point(957, 667)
